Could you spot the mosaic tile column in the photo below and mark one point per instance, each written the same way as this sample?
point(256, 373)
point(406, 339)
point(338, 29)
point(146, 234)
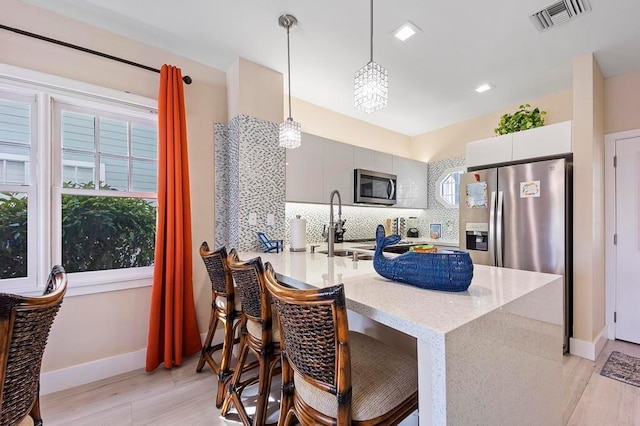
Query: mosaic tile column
point(221, 184)
point(250, 178)
point(447, 216)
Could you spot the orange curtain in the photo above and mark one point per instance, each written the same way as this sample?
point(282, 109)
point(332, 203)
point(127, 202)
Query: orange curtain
point(173, 328)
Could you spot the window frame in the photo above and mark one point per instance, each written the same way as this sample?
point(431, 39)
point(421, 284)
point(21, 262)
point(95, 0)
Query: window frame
point(31, 189)
point(443, 177)
point(45, 89)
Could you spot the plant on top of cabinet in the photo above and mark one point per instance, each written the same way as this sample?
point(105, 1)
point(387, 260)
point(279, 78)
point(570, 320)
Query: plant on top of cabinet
point(523, 119)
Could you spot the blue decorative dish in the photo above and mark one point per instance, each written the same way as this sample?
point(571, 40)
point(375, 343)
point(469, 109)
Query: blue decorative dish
point(450, 271)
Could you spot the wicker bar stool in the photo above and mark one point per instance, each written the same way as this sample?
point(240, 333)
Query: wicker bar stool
point(331, 375)
point(224, 309)
point(25, 323)
point(257, 336)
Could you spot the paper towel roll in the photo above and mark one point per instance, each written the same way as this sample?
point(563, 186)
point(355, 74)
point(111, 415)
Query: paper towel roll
point(298, 234)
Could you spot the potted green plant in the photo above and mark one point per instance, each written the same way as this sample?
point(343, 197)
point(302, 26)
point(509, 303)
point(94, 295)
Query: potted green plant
point(523, 119)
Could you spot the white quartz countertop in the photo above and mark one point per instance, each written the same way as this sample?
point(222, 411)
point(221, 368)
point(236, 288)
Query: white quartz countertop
point(424, 314)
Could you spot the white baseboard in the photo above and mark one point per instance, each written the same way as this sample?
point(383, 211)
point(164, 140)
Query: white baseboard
point(588, 350)
point(81, 374)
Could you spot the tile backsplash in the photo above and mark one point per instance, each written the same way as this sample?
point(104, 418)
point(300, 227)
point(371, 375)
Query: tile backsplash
point(361, 222)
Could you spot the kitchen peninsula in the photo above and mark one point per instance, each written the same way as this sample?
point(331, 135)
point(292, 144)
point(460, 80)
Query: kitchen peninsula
point(491, 355)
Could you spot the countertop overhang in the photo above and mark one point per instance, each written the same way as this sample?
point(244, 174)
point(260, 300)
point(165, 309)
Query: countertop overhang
point(424, 314)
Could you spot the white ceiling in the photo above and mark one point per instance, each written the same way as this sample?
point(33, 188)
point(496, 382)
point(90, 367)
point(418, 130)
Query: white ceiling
point(432, 77)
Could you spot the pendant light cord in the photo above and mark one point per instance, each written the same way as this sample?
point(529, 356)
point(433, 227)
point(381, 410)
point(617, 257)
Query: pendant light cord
point(289, 69)
point(371, 30)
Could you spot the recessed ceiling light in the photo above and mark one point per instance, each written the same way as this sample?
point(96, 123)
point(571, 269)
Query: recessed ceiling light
point(483, 88)
point(406, 31)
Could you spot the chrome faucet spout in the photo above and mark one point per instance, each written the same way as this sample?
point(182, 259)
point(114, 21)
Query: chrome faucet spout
point(332, 225)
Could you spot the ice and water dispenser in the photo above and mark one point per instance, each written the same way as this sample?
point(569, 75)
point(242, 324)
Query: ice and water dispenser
point(477, 236)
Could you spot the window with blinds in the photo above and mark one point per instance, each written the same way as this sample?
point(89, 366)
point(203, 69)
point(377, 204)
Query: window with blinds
point(106, 177)
point(84, 196)
point(17, 191)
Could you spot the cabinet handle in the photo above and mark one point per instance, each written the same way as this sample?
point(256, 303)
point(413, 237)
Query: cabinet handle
point(499, 233)
point(492, 229)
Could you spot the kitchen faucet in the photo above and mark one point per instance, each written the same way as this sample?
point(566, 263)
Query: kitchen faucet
point(332, 225)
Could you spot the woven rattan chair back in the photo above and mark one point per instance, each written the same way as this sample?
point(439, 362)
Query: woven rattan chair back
point(254, 297)
point(25, 323)
point(218, 270)
point(314, 337)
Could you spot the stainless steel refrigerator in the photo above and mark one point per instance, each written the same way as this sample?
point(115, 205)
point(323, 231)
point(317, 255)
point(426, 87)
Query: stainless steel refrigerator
point(519, 216)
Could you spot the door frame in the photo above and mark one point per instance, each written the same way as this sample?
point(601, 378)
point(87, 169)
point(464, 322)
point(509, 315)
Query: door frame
point(610, 225)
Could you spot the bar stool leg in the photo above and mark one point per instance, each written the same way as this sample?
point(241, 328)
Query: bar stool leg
point(264, 385)
point(207, 349)
point(286, 402)
point(225, 363)
point(233, 391)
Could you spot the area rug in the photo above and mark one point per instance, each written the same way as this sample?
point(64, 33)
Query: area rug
point(622, 367)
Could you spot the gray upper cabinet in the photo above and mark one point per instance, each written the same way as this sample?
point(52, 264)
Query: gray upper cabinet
point(304, 171)
point(337, 159)
point(321, 165)
point(411, 184)
point(383, 163)
point(363, 158)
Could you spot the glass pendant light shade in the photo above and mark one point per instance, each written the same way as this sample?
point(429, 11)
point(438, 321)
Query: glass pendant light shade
point(290, 136)
point(371, 87)
point(371, 83)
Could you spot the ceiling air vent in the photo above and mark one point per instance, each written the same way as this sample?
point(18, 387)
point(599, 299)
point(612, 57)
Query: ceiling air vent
point(559, 13)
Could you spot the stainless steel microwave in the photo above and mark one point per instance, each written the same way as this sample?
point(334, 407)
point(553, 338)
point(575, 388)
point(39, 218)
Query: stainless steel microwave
point(374, 187)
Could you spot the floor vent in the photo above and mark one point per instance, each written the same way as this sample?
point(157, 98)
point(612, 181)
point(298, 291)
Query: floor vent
point(559, 13)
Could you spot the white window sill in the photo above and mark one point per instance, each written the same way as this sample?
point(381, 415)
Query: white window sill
point(83, 283)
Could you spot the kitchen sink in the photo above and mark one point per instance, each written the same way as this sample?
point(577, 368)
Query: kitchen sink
point(349, 253)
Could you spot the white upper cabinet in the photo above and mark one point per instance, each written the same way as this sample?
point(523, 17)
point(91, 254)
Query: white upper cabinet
point(554, 139)
point(545, 141)
point(363, 158)
point(411, 183)
point(337, 159)
point(318, 167)
point(489, 151)
point(382, 162)
point(305, 170)
point(321, 165)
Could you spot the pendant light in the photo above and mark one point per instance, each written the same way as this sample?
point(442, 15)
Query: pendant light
point(290, 136)
point(371, 83)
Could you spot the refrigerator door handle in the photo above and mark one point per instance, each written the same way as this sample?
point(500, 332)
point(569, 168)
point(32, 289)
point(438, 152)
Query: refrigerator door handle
point(500, 262)
point(492, 229)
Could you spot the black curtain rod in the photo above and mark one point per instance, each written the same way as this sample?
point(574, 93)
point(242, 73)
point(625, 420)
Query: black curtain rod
point(186, 78)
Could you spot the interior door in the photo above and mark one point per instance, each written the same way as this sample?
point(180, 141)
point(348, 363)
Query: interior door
point(628, 236)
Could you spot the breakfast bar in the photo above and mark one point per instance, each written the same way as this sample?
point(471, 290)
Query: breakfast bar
point(489, 355)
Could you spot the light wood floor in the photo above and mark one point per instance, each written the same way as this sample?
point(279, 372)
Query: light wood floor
point(183, 397)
